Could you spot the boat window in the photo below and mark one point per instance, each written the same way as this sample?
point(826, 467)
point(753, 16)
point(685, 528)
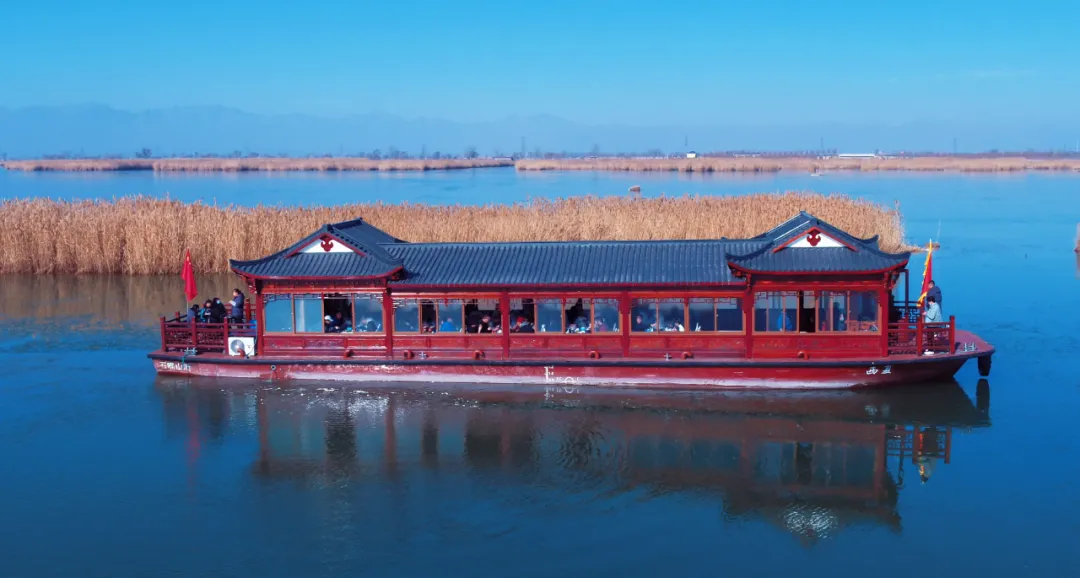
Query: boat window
point(368, 313)
point(277, 313)
point(429, 316)
point(522, 315)
point(643, 315)
point(850, 311)
point(477, 310)
point(578, 315)
point(451, 316)
point(339, 310)
point(549, 315)
point(605, 315)
point(406, 316)
point(702, 314)
point(729, 314)
point(776, 311)
point(672, 315)
point(308, 314)
point(863, 311)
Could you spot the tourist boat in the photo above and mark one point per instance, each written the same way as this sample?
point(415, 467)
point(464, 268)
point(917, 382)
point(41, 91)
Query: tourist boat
point(804, 305)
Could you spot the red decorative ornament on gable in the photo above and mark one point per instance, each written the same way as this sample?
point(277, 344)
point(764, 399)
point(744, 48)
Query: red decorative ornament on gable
point(813, 237)
point(327, 244)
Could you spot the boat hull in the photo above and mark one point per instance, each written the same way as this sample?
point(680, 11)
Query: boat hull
point(681, 374)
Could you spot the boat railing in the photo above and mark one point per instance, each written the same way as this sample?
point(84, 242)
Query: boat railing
point(185, 333)
point(920, 338)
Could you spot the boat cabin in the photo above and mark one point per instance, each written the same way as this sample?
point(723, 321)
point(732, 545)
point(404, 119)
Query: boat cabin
point(803, 290)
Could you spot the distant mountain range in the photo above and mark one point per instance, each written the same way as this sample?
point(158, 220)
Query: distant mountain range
point(93, 130)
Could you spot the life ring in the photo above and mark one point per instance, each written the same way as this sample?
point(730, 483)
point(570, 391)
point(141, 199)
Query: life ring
point(687, 355)
point(407, 354)
point(273, 368)
point(594, 354)
point(478, 354)
point(802, 355)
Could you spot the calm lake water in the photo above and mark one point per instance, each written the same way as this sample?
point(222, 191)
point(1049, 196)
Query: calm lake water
point(111, 471)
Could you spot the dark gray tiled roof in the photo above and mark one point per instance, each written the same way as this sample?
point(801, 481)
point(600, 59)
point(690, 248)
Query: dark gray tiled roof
point(336, 265)
point(575, 263)
point(570, 263)
point(818, 260)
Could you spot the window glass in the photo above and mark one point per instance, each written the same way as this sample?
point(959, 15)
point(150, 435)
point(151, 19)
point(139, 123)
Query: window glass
point(308, 314)
point(522, 315)
point(482, 316)
point(578, 315)
point(605, 316)
point(863, 311)
point(451, 316)
point(672, 315)
point(776, 311)
point(406, 316)
point(277, 313)
point(729, 314)
point(643, 315)
point(702, 314)
point(832, 311)
point(429, 316)
point(368, 313)
point(549, 315)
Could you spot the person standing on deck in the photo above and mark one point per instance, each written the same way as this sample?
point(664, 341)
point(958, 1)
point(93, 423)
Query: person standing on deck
point(236, 315)
point(933, 310)
point(935, 292)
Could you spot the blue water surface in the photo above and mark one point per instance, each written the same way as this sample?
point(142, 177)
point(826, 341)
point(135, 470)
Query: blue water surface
point(108, 470)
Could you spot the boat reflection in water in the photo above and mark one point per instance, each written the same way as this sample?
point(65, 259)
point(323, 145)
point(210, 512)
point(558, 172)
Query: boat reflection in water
point(810, 462)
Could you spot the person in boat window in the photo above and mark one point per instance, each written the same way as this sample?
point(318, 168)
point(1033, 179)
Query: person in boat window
point(237, 303)
point(448, 326)
point(639, 323)
point(523, 326)
point(935, 292)
point(783, 322)
point(933, 310)
point(580, 325)
point(194, 312)
point(367, 324)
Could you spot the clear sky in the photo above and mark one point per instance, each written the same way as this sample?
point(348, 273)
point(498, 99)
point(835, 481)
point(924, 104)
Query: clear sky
point(644, 63)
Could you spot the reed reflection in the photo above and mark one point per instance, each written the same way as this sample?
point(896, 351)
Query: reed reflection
point(811, 463)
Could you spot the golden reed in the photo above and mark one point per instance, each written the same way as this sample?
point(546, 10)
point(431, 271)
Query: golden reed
point(147, 236)
point(800, 164)
point(252, 164)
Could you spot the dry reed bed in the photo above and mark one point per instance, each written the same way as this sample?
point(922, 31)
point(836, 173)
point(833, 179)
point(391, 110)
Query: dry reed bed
point(252, 164)
point(145, 236)
point(799, 164)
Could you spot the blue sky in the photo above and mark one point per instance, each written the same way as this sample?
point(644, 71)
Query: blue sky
point(646, 63)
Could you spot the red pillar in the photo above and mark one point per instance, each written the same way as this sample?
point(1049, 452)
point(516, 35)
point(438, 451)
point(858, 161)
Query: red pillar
point(260, 318)
point(504, 310)
point(748, 318)
point(388, 321)
point(624, 313)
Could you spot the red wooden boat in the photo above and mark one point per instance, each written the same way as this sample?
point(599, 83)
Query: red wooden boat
point(805, 305)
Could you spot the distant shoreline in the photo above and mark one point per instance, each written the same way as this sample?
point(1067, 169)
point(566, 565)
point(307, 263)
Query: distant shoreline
point(250, 164)
point(744, 164)
point(802, 164)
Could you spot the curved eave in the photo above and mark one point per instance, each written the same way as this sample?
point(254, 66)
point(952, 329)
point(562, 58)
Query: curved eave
point(718, 286)
point(382, 276)
point(748, 271)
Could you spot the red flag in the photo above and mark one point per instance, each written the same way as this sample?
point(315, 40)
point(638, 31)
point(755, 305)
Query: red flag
point(927, 273)
point(188, 275)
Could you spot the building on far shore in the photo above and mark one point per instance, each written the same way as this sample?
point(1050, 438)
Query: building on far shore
point(691, 155)
point(857, 155)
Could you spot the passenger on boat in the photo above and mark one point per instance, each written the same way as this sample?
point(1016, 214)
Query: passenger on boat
point(448, 326)
point(580, 325)
point(933, 311)
point(783, 322)
point(935, 292)
point(194, 312)
point(219, 312)
point(484, 326)
point(523, 326)
point(639, 323)
point(367, 324)
point(207, 313)
point(237, 313)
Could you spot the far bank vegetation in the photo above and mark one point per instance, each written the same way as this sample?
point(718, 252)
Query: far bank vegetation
point(753, 164)
point(318, 164)
point(147, 236)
